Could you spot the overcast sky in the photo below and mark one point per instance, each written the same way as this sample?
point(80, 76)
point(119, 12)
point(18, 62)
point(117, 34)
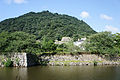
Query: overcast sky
point(101, 15)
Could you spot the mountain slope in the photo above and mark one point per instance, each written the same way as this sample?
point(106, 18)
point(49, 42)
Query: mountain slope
point(47, 24)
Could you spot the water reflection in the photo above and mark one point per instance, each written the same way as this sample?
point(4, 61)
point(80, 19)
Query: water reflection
point(13, 73)
point(62, 73)
point(75, 73)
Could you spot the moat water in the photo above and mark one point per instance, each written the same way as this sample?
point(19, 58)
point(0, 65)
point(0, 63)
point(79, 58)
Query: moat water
point(61, 73)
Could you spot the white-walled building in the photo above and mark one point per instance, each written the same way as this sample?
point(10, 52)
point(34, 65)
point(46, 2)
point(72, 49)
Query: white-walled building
point(79, 42)
point(63, 40)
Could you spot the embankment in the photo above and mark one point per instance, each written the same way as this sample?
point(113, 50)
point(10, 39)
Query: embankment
point(25, 60)
point(77, 60)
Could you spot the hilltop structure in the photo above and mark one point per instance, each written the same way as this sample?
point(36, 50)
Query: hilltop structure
point(63, 40)
point(79, 42)
point(68, 39)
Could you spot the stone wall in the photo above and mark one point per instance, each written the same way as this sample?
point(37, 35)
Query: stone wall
point(82, 59)
point(20, 59)
point(25, 60)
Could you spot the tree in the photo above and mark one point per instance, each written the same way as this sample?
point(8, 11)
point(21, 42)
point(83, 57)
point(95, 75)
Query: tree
point(117, 42)
point(47, 24)
point(70, 47)
point(48, 45)
point(3, 41)
point(61, 48)
point(18, 42)
point(117, 39)
point(102, 42)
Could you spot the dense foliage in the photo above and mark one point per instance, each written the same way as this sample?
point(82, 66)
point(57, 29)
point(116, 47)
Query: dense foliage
point(48, 45)
point(103, 42)
point(52, 25)
point(117, 42)
point(18, 42)
point(24, 42)
point(36, 32)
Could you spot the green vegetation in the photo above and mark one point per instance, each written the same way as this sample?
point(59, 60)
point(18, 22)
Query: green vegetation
point(48, 45)
point(117, 42)
point(46, 24)
point(24, 42)
point(95, 63)
point(36, 32)
point(67, 48)
point(18, 42)
point(103, 43)
point(8, 63)
point(100, 43)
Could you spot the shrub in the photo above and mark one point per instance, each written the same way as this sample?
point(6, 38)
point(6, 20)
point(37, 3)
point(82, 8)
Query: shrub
point(95, 63)
point(8, 63)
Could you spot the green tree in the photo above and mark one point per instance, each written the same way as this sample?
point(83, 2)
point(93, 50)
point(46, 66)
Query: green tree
point(61, 48)
point(72, 48)
point(102, 42)
point(117, 42)
point(48, 45)
point(18, 42)
point(53, 26)
point(3, 41)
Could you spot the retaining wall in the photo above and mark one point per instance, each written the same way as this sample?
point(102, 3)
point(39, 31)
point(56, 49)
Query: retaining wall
point(25, 60)
point(76, 60)
point(20, 59)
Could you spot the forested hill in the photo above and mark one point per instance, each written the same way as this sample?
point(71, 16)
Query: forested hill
point(47, 24)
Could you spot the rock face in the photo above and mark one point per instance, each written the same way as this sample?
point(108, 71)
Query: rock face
point(24, 60)
point(76, 60)
point(21, 59)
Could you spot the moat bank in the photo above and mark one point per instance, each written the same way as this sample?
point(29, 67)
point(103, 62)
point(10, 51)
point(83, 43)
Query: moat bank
point(25, 60)
point(77, 60)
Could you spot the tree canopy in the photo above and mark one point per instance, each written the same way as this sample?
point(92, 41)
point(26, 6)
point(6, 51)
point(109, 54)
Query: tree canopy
point(103, 42)
point(52, 25)
point(18, 42)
